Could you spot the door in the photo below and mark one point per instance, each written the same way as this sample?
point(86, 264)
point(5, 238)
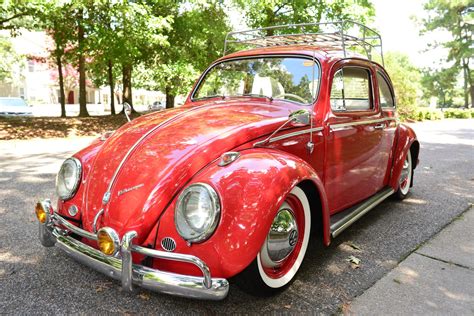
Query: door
point(354, 166)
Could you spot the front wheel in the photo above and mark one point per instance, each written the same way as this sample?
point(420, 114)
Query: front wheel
point(283, 250)
point(404, 183)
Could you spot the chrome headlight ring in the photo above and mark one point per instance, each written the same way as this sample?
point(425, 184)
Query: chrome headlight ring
point(197, 212)
point(66, 191)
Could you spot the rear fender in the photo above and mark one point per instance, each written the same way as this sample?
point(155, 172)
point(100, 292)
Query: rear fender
point(251, 189)
point(406, 138)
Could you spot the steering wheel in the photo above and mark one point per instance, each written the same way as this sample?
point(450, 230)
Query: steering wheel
point(294, 96)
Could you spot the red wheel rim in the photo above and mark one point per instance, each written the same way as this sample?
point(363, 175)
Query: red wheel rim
point(298, 211)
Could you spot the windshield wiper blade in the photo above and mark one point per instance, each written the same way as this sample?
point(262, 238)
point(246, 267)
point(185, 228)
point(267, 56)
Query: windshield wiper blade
point(212, 96)
point(257, 95)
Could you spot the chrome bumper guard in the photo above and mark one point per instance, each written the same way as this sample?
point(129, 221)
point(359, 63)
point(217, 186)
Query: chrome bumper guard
point(121, 267)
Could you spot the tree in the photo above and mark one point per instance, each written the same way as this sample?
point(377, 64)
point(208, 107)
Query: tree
point(54, 18)
point(14, 12)
point(406, 82)
point(440, 83)
point(277, 12)
point(10, 61)
point(140, 34)
point(197, 35)
point(457, 18)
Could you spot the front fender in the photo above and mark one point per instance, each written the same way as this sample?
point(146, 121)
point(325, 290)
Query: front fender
point(251, 189)
point(406, 137)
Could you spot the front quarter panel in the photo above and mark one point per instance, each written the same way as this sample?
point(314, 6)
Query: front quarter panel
point(251, 189)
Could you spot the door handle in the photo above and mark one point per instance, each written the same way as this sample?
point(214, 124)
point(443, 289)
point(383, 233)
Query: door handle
point(379, 126)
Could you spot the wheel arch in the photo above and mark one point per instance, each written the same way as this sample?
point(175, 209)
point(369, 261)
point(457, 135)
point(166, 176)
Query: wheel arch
point(406, 142)
point(251, 190)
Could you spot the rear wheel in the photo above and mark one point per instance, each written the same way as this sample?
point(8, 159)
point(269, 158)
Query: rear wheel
point(283, 250)
point(404, 183)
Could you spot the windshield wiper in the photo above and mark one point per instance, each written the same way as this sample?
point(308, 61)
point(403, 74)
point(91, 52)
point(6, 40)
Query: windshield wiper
point(257, 95)
point(212, 96)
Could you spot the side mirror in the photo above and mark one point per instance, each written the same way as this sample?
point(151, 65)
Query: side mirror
point(127, 110)
point(300, 117)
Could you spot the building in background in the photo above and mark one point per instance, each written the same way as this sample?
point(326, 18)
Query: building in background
point(36, 80)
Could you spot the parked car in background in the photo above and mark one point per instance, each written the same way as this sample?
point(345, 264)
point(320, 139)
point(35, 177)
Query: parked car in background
point(156, 106)
point(14, 107)
point(290, 141)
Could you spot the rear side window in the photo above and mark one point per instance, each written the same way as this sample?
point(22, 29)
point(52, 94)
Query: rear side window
point(351, 90)
point(385, 93)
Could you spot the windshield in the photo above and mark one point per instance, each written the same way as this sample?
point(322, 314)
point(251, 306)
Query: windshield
point(13, 102)
point(288, 78)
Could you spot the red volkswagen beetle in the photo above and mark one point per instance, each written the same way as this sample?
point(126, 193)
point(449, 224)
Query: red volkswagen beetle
point(275, 145)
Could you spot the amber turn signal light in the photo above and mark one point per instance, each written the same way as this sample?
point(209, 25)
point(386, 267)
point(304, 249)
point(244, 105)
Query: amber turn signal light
point(41, 213)
point(108, 241)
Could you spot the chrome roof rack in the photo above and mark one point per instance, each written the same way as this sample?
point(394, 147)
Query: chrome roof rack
point(330, 36)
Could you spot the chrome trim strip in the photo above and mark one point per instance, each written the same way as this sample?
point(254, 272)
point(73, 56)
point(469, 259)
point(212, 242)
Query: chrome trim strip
point(96, 218)
point(288, 135)
point(76, 230)
point(343, 125)
point(360, 211)
point(107, 194)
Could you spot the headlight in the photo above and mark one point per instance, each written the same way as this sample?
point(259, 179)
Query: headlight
point(68, 178)
point(197, 212)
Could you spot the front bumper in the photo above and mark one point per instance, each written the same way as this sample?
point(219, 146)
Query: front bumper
point(56, 232)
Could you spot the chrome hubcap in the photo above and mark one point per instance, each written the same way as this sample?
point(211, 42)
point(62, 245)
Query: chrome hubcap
point(405, 175)
point(281, 239)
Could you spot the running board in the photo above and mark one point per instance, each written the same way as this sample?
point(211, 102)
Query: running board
point(346, 218)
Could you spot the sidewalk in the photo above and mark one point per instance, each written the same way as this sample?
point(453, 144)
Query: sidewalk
point(437, 278)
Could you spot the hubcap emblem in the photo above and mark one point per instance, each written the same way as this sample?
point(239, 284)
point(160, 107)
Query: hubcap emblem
point(293, 238)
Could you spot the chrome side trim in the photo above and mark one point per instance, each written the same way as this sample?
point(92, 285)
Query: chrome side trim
point(344, 125)
point(76, 230)
point(288, 135)
point(339, 226)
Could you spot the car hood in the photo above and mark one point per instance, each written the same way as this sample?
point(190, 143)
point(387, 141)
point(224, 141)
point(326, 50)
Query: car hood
point(154, 156)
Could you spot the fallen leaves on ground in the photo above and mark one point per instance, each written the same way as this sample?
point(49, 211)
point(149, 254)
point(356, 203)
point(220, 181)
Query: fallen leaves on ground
point(102, 286)
point(144, 296)
point(54, 127)
point(355, 262)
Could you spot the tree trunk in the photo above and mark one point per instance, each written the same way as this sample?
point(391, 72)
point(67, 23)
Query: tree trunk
point(127, 85)
point(82, 70)
point(112, 87)
point(169, 98)
point(62, 96)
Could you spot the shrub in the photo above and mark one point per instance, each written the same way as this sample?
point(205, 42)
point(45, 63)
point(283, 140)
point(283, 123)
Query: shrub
point(459, 113)
point(422, 114)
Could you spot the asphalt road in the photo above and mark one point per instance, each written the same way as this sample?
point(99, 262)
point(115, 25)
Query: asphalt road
point(38, 280)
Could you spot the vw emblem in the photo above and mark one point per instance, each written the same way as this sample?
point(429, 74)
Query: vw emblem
point(293, 238)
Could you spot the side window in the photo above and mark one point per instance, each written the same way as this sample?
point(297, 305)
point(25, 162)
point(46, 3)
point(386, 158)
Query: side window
point(351, 90)
point(385, 93)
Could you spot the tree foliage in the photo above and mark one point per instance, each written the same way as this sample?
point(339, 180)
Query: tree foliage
point(456, 17)
point(197, 35)
point(10, 62)
point(276, 12)
point(406, 79)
